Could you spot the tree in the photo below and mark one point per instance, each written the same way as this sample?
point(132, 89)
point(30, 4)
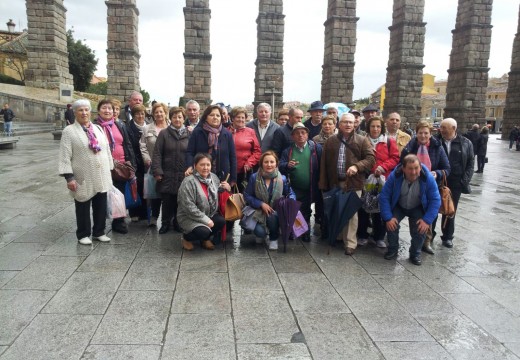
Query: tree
point(100, 88)
point(82, 62)
point(13, 55)
point(146, 96)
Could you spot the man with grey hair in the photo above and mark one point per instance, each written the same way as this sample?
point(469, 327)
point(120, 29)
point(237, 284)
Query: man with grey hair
point(461, 158)
point(135, 98)
point(474, 136)
point(192, 114)
point(263, 126)
point(282, 138)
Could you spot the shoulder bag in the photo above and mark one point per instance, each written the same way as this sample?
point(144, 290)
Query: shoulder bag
point(234, 205)
point(447, 206)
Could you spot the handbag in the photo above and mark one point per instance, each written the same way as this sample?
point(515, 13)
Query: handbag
point(248, 222)
point(149, 190)
point(122, 171)
point(234, 205)
point(371, 191)
point(300, 226)
point(447, 205)
point(132, 198)
point(116, 207)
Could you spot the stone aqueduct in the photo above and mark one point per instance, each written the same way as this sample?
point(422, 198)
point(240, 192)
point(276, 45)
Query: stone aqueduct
point(467, 75)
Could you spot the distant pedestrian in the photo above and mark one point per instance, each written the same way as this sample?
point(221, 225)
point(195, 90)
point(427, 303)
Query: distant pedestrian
point(69, 115)
point(8, 119)
point(482, 149)
point(474, 136)
point(513, 136)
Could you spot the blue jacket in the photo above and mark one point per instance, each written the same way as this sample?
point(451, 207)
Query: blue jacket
point(250, 193)
point(430, 197)
point(225, 156)
point(315, 166)
point(438, 156)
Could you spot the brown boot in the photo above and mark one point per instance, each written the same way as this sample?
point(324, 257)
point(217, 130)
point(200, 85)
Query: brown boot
point(208, 245)
point(187, 245)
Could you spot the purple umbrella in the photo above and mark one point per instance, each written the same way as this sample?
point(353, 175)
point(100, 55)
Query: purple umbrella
point(287, 209)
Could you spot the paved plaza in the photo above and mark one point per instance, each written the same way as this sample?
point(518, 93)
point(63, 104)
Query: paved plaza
point(141, 297)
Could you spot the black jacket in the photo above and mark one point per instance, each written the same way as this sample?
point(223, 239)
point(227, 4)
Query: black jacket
point(474, 137)
point(462, 162)
point(135, 136)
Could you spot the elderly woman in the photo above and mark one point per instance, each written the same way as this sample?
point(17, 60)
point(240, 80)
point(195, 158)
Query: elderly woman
point(168, 165)
point(247, 147)
point(120, 147)
point(387, 158)
point(211, 137)
point(135, 130)
point(147, 144)
point(198, 204)
point(117, 108)
point(85, 162)
point(328, 128)
point(265, 187)
point(430, 152)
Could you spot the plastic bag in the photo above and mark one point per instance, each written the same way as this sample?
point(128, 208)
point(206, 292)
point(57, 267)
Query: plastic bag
point(132, 198)
point(149, 191)
point(116, 207)
point(371, 191)
point(300, 226)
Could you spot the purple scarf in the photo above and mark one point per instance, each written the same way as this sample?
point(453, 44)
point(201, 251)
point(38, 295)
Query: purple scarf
point(92, 140)
point(107, 125)
point(213, 134)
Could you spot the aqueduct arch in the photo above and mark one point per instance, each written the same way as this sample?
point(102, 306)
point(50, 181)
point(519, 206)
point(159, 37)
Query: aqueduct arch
point(467, 80)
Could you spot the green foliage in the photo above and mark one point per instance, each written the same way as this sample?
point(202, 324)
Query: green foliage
point(9, 80)
point(82, 62)
point(100, 88)
point(146, 96)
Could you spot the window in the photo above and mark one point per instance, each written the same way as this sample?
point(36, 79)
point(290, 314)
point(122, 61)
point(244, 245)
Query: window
point(491, 112)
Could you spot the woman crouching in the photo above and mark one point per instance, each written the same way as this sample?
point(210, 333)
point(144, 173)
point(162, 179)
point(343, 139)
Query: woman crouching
point(263, 189)
point(198, 204)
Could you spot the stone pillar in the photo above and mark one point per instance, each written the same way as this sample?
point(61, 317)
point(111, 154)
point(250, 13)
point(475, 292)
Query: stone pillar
point(468, 72)
point(269, 53)
point(404, 75)
point(337, 79)
point(47, 54)
point(512, 108)
point(197, 57)
point(122, 48)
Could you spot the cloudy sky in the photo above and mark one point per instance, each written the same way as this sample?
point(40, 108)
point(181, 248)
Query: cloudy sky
point(233, 43)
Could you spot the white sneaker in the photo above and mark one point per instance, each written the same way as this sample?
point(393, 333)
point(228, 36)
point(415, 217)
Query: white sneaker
point(362, 242)
point(85, 241)
point(153, 221)
point(273, 245)
point(259, 241)
point(380, 244)
point(102, 238)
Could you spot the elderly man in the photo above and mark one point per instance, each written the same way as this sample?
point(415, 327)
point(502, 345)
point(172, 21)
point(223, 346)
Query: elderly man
point(135, 98)
point(332, 111)
point(357, 122)
point(411, 191)
point(346, 158)
point(461, 158)
point(282, 138)
point(301, 164)
point(192, 114)
point(314, 122)
point(393, 123)
point(368, 111)
point(263, 126)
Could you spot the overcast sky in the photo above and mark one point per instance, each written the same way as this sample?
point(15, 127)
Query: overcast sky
point(233, 43)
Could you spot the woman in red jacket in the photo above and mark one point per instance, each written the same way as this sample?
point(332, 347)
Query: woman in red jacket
point(387, 158)
point(247, 147)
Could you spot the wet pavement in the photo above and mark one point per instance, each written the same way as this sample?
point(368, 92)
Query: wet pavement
point(141, 297)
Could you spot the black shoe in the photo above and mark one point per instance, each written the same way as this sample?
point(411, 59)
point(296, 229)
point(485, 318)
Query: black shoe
point(416, 260)
point(120, 227)
point(306, 237)
point(164, 229)
point(428, 250)
point(447, 243)
point(390, 254)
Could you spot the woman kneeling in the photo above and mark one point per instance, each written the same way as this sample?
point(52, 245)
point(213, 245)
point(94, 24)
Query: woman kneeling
point(198, 204)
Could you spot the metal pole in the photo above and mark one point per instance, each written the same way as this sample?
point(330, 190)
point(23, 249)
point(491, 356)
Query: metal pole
point(272, 105)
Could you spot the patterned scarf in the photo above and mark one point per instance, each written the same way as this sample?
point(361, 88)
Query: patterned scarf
point(92, 140)
point(212, 191)
point(180, 131)
point(213, 134)
point(424, 157)
point(262, 192)
point(107, 125)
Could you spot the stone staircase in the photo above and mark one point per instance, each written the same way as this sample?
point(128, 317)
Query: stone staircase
point(27, 128)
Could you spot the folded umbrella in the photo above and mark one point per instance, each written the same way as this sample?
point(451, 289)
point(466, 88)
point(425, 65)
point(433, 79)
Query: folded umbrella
point(223, 195)
point(287, 210)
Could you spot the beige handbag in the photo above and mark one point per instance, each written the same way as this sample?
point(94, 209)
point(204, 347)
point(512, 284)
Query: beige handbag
point(234, 205)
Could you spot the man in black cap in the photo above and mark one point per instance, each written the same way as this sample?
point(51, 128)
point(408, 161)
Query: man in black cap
point(357, 122)
point(314, 122)
point(368, 112)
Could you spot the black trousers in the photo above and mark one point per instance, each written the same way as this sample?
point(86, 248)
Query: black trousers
point(120, 185)
point(481, 161)
point(141, 210)
point(99, 213)
point(202, 233)
point(449, 229)
point(378, 226)
point(169, 207)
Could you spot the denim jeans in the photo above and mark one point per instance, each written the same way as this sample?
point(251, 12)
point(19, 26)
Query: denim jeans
point(7, 128)
point(417, 239)
point(272, 225)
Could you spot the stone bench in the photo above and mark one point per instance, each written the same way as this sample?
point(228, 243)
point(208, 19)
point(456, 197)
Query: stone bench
point(8, 142)
point(27, 128)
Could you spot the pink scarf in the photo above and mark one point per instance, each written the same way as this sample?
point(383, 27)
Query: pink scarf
point(92, 140)
point(107, 125)
point(424, 157)
point(213, 134)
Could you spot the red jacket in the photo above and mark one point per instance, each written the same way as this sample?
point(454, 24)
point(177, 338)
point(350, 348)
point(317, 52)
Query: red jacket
point(247, 148)
point(387, 156)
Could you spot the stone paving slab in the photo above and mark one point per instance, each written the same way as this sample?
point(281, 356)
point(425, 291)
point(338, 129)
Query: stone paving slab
point(141, 296)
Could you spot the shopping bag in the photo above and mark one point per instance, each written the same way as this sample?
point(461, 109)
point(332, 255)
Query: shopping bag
point(300, 226)
point(248, 222)
point(149, 191)
point(116, 207)
point(132, 198)
point(371, 190)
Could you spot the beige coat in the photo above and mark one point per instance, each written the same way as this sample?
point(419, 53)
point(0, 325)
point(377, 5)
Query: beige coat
point(91, 170)
point(148, 139)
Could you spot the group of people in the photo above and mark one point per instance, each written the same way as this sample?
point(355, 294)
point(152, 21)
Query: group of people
point(194, 157)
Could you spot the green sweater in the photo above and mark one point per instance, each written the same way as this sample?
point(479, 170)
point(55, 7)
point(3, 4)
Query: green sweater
point(300, 175)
